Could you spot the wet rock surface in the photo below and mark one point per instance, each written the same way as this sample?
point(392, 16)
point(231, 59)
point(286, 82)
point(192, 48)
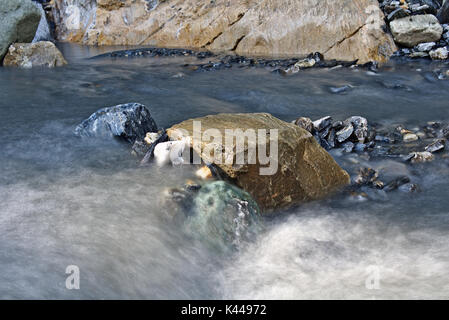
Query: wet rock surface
point(131, 121)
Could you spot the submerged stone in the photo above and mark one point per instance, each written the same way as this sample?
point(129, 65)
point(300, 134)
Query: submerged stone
point(223, 215)
point(345, 133)
point(396, 183)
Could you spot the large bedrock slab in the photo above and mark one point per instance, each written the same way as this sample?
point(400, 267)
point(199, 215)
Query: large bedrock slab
point(340, 29)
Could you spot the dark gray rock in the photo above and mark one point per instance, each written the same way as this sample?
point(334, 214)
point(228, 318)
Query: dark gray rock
point(19, 20)
point(130, 121)
point(366, 176)
point(331, 138)
point(322, 123)
point(445, 131)
point(396, 183)
point(436, 146)
point(360, 125)
point(384, 139)
point(345, 133)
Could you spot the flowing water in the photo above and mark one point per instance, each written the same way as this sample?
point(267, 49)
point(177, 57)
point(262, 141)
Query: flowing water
point(67, 201)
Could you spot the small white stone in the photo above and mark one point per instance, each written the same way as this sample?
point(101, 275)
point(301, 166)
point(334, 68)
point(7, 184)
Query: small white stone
point(439, 54)
point(151, 137)
point(306, 63)
point(426, 46)
point(419, 157)
point(408, 137)
point(170, 151)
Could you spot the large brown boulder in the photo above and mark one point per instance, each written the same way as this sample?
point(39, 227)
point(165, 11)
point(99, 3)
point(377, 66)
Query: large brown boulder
point(38, 54)
point(303, 170)
point(340, 29)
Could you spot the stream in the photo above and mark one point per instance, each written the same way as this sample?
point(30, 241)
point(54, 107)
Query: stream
point(68, 201)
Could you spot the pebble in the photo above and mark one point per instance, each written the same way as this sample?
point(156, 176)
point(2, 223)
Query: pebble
point(426, 46)
point(418, 54)
point(398, 13)
point(305, 123)
point(345, 133)
point(436, 146)
point(322, 123)
point(204, 173)
point(342, 89)
point(151, 137)
point(420, 157)
point(360, 125)
point(396, 183)
point(439, 54)
point(305, 63)
point(409, 137)
point(409, 187)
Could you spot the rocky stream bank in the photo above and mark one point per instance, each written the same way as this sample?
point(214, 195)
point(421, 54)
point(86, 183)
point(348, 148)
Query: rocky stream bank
point(229, 200)
point(343, 32)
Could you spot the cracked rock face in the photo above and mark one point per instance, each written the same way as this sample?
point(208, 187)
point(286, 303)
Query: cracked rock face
point(340, 29)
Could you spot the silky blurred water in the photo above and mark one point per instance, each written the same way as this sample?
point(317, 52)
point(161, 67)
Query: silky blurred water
point(66, 201)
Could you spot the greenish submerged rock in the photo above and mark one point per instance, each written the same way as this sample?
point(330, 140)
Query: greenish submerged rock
point(223, 216)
